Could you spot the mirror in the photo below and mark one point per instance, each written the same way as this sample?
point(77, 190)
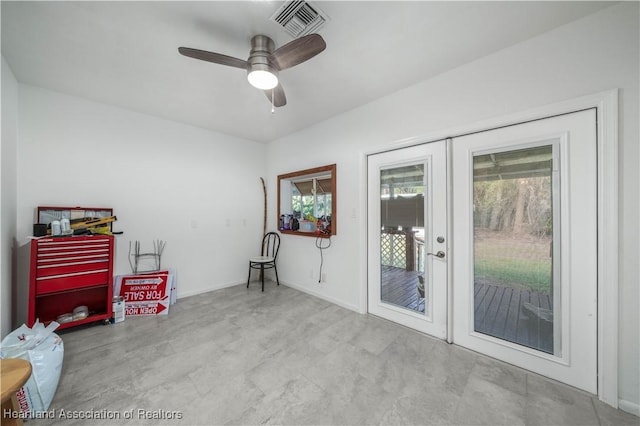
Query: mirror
point(307, 202)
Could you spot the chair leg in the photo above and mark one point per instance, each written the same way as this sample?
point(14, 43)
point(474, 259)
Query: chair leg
point(249, 278)
point(276, 270)
point(262, 273)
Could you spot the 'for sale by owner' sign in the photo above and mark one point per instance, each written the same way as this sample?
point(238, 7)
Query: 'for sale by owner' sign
point(146, 294)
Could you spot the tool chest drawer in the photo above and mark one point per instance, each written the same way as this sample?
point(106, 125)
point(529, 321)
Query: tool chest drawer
point(71, 281)
point(72, 260)
point(68, 272)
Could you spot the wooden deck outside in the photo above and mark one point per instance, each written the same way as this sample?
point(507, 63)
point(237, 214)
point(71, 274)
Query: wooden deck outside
point(498, 309)
point(399, 287)
point(499, 313)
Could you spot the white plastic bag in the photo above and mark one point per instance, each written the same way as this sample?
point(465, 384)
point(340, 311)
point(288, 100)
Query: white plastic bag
point(45, 351)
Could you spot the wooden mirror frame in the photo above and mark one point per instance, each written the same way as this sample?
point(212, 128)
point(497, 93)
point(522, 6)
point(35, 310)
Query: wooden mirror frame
point(310, 172)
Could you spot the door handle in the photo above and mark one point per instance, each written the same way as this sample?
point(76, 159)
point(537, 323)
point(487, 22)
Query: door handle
point(439, 254)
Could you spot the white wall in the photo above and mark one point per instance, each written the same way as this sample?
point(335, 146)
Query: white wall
point(179, 183)
point(198, 190)
point(597, 53)
point(8, 189)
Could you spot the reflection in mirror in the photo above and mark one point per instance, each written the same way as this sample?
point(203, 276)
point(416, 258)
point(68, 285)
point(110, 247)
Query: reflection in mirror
point(307, 202)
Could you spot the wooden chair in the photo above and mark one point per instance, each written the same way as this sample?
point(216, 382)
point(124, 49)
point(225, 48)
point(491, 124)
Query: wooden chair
point(267, 258)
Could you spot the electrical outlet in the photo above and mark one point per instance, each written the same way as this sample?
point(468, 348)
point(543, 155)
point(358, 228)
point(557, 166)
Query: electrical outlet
point(323, 277)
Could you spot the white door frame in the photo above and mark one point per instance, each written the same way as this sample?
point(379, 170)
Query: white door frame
point(606, 104)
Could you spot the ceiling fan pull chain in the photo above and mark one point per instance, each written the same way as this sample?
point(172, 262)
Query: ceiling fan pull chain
point(273, 108)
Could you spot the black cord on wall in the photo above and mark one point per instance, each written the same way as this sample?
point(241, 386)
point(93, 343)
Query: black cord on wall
point(319, 239)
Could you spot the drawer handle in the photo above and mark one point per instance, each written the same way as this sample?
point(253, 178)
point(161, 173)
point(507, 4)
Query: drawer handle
point(73, 274)
point(59, 265)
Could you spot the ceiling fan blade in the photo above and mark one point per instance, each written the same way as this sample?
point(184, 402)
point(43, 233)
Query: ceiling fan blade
point(216, 58)
point(298, 51)
point(279, 98)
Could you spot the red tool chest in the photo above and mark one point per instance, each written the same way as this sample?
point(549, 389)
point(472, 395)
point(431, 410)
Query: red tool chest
point(68, 272)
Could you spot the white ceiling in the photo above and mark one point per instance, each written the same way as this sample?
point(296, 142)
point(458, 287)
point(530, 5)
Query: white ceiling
point(125, 53)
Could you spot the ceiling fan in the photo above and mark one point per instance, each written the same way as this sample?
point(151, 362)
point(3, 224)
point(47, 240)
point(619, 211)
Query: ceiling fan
point(264, 63)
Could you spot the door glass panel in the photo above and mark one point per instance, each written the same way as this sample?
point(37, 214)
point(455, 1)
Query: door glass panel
point(513, 218)
point(402, 237)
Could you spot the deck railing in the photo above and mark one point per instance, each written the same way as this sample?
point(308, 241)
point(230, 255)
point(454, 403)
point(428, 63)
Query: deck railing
point(402, 249)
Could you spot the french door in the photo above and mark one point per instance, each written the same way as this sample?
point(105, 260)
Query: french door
point(522, 249)
point(408, 241)
point(525, 246)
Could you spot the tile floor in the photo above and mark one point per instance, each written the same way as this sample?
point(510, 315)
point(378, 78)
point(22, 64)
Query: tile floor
point(239, 356)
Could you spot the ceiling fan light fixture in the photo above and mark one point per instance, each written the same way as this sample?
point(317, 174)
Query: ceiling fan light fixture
point(265, 62)
point(262, 78)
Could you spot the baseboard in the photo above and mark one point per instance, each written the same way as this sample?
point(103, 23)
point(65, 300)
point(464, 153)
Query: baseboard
point(183, 294)
point(294, 286)
point(629, 407)
point(322, 296)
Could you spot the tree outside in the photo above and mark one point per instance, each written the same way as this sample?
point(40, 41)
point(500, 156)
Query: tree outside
point(513, 224)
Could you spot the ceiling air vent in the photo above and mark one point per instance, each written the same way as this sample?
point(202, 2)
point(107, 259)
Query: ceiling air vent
point(299, 18)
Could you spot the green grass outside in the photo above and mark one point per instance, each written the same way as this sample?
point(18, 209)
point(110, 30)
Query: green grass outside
point(520, 262)
point(533, 275)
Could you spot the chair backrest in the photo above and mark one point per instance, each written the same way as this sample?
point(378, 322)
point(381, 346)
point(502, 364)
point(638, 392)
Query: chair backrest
point(270, 245)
